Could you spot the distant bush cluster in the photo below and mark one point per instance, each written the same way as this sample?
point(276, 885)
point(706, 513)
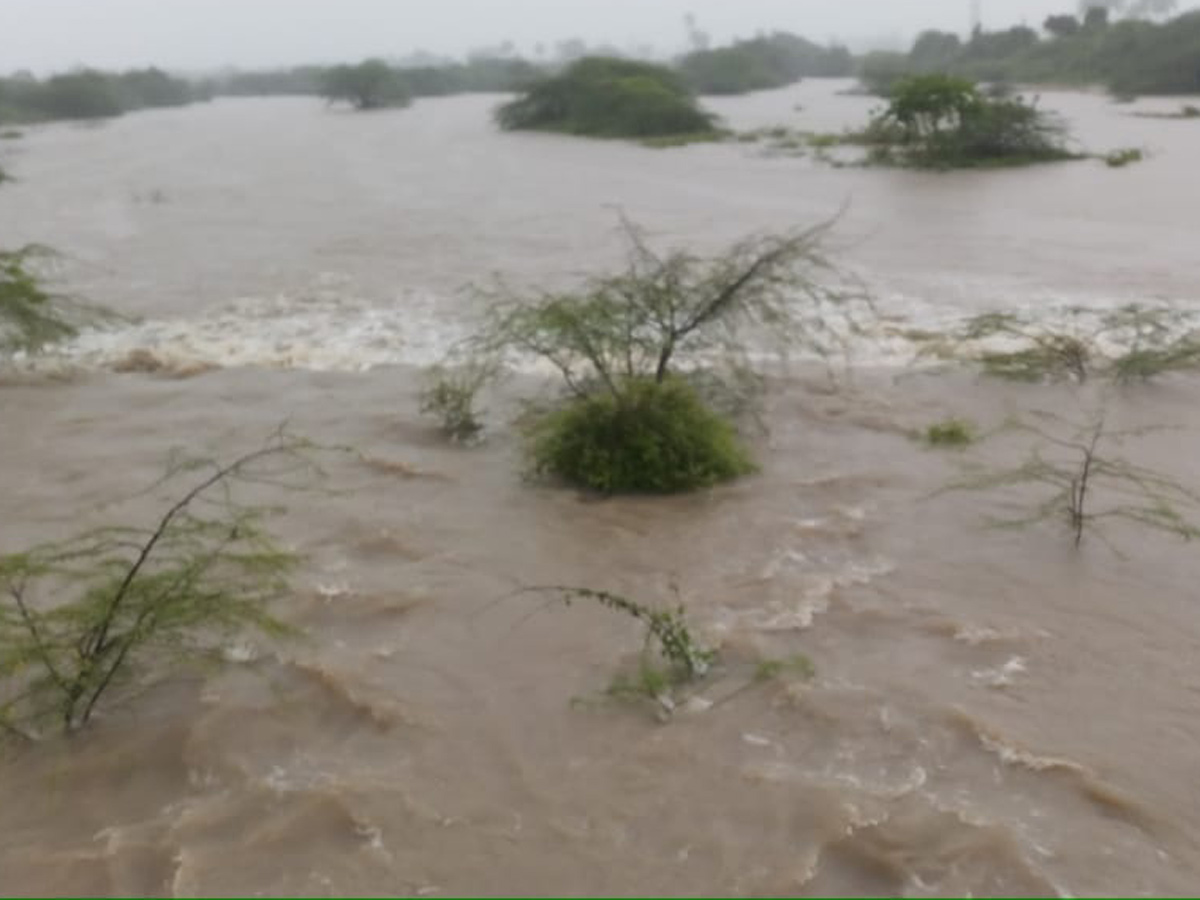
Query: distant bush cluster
point(89, 94)
point(1130, 57)
point(767, 62)
point(477, 75)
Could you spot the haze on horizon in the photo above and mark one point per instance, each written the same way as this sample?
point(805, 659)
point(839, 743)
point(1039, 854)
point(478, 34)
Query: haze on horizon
point(52, 35)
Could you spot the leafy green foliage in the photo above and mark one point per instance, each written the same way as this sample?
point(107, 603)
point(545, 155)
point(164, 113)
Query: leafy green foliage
point(940, 121)
point(80, 618)
point(651, 437)
point(608, 97)
point(761, 63)
point(644, 352)
point(674, 310)
point(666, 629)
point(1087, 486)
point(372, 84)
point(30, 318)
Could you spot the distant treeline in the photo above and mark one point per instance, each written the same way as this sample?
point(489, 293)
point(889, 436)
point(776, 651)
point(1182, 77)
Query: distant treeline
point(761, 63)
point(482, 75)
point(1129, 57)
point(88, 94)
point(769, 61)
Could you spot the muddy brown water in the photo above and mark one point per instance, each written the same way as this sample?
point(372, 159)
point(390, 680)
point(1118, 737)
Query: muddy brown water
point(993, 711)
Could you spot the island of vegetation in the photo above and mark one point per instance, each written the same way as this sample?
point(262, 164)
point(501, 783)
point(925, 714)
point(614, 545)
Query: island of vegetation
point(945, 122)
point(609, 97)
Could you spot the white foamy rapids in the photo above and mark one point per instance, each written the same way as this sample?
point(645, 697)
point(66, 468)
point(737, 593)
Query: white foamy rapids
point(320, 332)
point(325, 330)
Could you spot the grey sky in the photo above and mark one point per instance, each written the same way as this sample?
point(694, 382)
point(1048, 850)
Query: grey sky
point(55, 34)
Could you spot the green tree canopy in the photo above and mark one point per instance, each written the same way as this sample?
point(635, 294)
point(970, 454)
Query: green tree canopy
point(371, 84)
point(608, 97)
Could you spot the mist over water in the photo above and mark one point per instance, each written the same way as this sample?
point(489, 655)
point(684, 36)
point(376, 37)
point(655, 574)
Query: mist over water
point(993, 712)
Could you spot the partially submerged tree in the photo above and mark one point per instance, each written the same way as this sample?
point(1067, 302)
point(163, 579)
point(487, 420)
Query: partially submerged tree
point(676, 312)
point(645, 353)
point(79, 619)
point(939, 121)
point(1132, 343)
point(371, 84)
point(1086, 485)
point(608, 97)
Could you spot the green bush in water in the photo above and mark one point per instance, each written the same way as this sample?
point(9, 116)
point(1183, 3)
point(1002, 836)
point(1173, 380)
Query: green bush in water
point(607, 97)
point(943, 122)
point(650, 437)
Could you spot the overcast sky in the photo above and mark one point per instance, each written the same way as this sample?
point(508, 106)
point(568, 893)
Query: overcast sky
point(197, 34)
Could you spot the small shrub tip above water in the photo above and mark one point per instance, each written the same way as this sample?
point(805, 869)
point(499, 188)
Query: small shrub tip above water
point(950, 433)
point(1118, 159)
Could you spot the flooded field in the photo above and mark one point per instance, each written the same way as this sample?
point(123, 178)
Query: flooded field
point(993, 711)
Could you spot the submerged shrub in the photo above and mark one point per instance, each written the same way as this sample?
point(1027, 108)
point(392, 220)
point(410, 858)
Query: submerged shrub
point(608, 97)
point(1129, 344)
point(1118, 159)
point(939, 121)
point(450, 395)
point(79, 619)
point(950, 433)
point(652, 437)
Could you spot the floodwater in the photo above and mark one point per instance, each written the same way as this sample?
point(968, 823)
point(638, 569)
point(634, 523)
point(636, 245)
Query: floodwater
point(993, 711)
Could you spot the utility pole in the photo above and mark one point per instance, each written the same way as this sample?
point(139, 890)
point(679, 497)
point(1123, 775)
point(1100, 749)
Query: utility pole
point(976, 15)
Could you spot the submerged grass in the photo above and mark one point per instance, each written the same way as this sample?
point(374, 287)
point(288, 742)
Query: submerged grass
point(950, 433)
point(1118, 159)
point(668, 141)
point(798, 666)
